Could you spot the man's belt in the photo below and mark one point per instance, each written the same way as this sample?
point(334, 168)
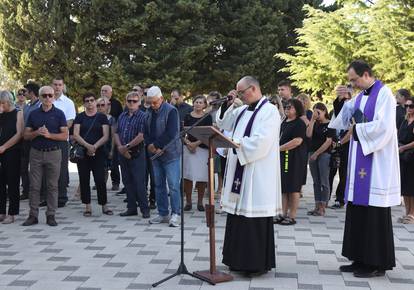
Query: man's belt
point(54, 148)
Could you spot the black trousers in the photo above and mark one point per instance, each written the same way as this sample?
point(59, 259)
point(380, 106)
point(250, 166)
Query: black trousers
point(96, 164)
point(343, 168)
point(150, 175)
point(115, 174)
point(10, 181)
point(24, 170)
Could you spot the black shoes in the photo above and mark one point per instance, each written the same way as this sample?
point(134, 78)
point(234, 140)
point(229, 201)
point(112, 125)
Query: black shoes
point(50, 220)
point(24, 196)
point(146, 215)
point(152, 205)
point(61, 204)
point(362, 271)
point(129, 213)
point(350, 268)
point(42, 203)
point(115, 187)
point(31, 220)
point(369, 272)
point(121, 192)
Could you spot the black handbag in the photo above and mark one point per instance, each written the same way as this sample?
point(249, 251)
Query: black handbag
point(77, 152)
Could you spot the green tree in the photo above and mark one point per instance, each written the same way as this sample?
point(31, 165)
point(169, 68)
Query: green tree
point(381, 33)
point(197, 45)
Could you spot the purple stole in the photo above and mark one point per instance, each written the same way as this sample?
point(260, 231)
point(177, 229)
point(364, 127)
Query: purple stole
point(238, 175)
point(363, 164)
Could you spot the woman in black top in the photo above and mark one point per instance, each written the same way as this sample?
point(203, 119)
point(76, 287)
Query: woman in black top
point(321, 140)
point(91, 130)
point(406, 148)
point(11, 129)
point(293, 160)
point(195, 165)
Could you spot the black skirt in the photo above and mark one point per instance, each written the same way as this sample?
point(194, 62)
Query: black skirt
point(368, 236)
point(407, 180)
point(249, 244)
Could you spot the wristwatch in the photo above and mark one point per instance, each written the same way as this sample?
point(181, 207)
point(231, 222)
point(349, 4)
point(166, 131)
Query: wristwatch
point(127, 146)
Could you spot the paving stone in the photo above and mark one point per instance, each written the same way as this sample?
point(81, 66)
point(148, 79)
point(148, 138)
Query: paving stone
point(25, 283)
point(76, 278)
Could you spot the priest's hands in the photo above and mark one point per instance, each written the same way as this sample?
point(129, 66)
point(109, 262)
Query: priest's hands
point(234, 100)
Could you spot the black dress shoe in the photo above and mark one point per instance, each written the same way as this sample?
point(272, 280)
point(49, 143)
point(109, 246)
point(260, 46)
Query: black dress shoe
point(369, 272)
point(152, 205)
point(31, 220)
point(129, 213)
point(24, 196)
point(50, 220)
point(42, 204)
point(126, 200)
point(350, 268)
point(146, 215)
point(121, 192)
point(252, 274)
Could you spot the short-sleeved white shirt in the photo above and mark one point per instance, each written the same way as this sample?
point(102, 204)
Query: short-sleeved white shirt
point(67, 106)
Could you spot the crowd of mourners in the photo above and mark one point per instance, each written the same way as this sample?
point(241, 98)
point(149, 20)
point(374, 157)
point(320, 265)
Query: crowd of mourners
point(137, 139)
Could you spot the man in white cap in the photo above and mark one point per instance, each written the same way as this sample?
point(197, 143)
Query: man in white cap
point(163, 127)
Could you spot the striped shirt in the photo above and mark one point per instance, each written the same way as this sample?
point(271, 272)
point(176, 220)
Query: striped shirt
point(129, 126)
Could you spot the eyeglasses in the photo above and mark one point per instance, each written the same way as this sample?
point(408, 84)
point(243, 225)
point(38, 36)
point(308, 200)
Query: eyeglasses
point(288, 107)
point(410, 106)
point(50, 96)
point(101, 105)
point(89, 101)
point(132, 101)
point(242, 92)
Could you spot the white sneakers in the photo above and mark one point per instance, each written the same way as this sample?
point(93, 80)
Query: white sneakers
point(174, 221)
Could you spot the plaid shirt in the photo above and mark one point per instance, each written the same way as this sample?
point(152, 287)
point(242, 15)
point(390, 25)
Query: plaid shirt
point(130, 126)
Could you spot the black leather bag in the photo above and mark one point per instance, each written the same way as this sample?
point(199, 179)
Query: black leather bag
point(77, 152)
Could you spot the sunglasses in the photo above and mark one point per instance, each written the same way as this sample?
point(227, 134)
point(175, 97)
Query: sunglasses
point(409, 106)
point(132, 101)
point(101, 105)
point(50, 96)
point(89, 101)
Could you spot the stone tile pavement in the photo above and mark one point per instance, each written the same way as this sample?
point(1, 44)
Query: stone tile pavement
point(104, 252)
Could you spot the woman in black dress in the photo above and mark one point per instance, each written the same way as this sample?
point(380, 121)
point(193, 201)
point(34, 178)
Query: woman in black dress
point(11, 129)
point(406, 148)
point(293, 157)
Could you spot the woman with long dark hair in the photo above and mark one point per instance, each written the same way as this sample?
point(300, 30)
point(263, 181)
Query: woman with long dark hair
point(319, 157)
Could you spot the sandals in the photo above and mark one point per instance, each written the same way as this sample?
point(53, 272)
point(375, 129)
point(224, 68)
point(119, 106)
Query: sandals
point(278, 219)
point(312, 212)
point(188, 207)
point(87, 213)
point(409, 219)
point(107, 211)
point(288, 221)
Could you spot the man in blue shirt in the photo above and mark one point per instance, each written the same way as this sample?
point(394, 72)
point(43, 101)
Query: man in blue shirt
point(45, 127)
point(163, 128)
point(129, 139)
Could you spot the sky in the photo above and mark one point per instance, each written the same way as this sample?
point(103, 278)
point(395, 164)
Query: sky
point(328, 2)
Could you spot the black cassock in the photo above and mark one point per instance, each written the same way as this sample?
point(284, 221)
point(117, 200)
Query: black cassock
point(249, 244)
point(368, 236)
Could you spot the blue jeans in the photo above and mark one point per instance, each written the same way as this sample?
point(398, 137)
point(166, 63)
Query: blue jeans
point(320, 169)
point(167, 172)
point(133, 176)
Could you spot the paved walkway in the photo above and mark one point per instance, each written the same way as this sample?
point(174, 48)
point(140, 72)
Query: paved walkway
point(104, 252)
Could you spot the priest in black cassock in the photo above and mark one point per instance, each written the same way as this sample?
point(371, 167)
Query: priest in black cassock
point(252, 190)
point(373, 181)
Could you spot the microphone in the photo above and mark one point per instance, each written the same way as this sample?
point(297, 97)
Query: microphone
point(221, 100)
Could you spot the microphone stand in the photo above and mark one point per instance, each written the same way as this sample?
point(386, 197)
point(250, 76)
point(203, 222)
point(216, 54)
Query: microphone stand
point(182, 268)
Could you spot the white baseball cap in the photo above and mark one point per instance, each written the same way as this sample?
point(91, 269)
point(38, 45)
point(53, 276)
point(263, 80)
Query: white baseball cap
point(154, 91)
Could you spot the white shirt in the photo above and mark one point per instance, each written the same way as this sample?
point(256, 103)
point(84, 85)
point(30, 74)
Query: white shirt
point(67, 106)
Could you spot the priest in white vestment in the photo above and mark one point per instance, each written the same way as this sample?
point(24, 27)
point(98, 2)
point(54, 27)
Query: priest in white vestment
point(252, 188)
point(373, 179)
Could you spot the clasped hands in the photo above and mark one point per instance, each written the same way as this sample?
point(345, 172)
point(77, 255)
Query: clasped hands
point(154, 150)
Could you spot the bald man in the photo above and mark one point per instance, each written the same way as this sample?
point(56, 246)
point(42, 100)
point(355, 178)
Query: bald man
point(116, 106)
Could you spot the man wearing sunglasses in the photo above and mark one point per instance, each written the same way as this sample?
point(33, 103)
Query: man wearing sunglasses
point(45, 128)
point(129, 139)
